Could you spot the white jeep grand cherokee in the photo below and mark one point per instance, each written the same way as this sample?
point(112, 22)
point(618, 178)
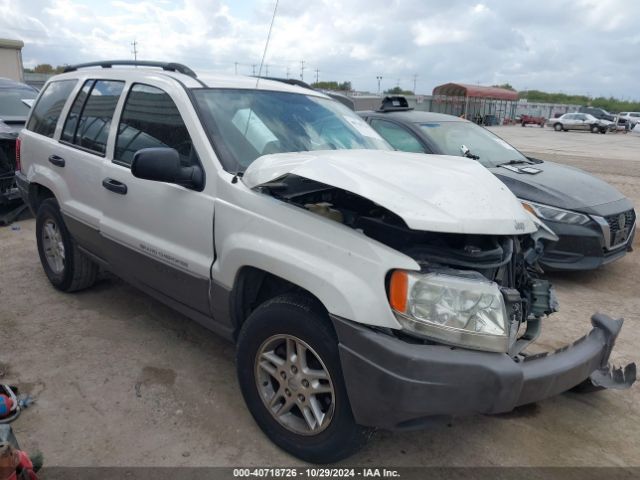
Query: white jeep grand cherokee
point(364, 288)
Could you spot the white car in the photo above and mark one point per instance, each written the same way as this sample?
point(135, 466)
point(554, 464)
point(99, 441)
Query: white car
point(632, 117)
point(580, 121)
point(364, 288)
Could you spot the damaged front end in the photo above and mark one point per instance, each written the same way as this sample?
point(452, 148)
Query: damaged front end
point(477, 291)
point(508, 262)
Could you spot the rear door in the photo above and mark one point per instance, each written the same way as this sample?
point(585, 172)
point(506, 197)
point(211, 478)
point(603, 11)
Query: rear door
point(159, 235)
point(80, 154)
point(570, 121)
point(397, 136)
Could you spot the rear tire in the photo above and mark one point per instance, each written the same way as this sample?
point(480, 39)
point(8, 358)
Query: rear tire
point(558, 127)
point(66, 267)
point(271, 382)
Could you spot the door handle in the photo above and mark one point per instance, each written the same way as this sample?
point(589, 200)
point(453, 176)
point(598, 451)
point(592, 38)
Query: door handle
point(56, 160)
point(115, 186)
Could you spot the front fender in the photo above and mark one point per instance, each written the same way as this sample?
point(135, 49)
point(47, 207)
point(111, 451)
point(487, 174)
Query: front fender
point(343, 268)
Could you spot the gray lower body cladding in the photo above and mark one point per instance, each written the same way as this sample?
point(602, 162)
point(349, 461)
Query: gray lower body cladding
point(393, 384)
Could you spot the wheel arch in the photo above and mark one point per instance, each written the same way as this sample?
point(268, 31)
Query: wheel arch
point(254, 286)
point(38, 193)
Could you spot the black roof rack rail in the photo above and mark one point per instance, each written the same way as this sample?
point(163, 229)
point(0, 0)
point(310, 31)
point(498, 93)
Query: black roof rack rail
point(168, 66)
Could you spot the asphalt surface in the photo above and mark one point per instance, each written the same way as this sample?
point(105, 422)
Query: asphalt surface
point(121, 380)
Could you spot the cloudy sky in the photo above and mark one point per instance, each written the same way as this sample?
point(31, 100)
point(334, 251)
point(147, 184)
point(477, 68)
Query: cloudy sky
point(575, 46)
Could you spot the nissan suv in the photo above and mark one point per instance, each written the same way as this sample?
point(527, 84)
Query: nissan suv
point(364, 288)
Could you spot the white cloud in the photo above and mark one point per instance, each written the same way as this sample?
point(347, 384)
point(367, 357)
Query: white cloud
point(575, 46)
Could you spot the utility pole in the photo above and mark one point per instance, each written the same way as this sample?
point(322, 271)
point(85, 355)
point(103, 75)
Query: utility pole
point(302, 70)
point(134, 44)
point(317, 75)
point(266, 74)
point(415, 77)
point(379, 78)
point(287, 71)
point(254, 69)
point(236, 67)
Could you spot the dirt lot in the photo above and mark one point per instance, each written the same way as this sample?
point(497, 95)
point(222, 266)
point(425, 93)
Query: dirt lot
point(122, 380)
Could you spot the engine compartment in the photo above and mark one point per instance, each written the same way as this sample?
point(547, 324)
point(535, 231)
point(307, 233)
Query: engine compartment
point(510, 261)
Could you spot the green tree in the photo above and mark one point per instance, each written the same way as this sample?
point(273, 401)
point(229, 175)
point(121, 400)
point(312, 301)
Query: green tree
point(333, 85)
point(506, 86)
point(611, 104)
point(398, 91)
point(45, 68)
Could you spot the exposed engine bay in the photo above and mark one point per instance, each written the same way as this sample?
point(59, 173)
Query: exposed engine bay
point(509, 261)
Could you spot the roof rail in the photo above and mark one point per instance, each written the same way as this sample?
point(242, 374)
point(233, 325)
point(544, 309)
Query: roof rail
point(169, 66)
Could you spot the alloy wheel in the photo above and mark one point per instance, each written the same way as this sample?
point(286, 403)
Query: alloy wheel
point(294, 384)
point(53, 246)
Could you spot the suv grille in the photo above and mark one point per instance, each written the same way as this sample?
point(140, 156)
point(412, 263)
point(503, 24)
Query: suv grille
point(619, 230)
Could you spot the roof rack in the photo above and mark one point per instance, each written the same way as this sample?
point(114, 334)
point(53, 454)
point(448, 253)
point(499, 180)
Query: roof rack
point(168, 66)
point(394, 103)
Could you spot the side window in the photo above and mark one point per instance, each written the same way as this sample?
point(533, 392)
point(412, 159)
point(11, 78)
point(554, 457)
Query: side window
point(151, 119)
point(71, 124)
point(88, 122)
point(398, 137)
point(46, 112)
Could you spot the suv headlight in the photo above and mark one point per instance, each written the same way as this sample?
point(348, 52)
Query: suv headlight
point(468, 312)
point(555, 214)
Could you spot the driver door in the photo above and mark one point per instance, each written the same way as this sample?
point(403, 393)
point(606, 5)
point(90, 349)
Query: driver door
point(160, 235)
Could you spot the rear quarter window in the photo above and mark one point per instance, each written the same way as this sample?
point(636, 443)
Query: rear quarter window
point(90, 116)
point(46, 111)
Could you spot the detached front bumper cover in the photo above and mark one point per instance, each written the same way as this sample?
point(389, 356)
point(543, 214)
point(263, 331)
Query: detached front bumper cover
point(394, 384)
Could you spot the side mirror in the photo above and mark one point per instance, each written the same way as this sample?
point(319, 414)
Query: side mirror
point(163, 165)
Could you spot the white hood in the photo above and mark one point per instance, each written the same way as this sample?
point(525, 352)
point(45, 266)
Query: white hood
point(429, 192)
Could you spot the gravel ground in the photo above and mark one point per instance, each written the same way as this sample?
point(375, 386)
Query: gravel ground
point(122, 380)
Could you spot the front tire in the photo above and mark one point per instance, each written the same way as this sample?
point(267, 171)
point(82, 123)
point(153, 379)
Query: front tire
point(595, 129)
point(289, 371)
point(66, 267)
point(557, 127)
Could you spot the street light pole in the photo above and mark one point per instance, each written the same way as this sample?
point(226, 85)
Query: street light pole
point(379, 77)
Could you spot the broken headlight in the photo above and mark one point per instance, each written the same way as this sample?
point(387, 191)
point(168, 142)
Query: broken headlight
point(458, 310)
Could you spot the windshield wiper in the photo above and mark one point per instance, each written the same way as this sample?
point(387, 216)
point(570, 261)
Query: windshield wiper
point(467, 153)
point(515, 162)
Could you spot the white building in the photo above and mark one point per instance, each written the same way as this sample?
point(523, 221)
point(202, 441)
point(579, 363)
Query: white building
point(11, 59)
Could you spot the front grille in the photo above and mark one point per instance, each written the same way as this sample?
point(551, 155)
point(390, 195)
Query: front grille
point(618, 233)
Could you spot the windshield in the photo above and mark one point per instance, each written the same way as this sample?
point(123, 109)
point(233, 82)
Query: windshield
point(247, 124)
point(449, 137)
point(14, 102)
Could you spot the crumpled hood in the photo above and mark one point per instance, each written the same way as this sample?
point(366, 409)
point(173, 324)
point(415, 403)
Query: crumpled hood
point(559, 186)
point(429, 192)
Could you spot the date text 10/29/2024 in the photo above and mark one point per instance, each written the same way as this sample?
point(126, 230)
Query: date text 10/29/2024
point(315, 473)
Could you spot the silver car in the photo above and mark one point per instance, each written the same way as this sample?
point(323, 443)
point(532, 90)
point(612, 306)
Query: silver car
point(580, 121)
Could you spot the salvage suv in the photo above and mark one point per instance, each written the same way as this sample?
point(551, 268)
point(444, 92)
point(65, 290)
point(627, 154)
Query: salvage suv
point(364, 288)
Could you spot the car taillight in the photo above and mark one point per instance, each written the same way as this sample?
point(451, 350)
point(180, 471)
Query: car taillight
point(18, 164)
